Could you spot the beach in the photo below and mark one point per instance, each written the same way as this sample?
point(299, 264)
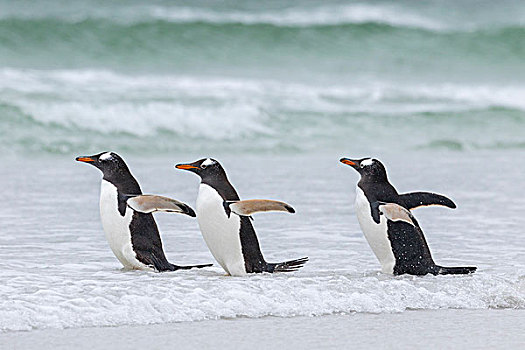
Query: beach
point(458, 329)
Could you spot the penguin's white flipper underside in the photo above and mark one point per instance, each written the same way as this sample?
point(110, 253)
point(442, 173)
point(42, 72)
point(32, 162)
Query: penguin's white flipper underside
point(393, 212)
point(252, 206)
point(148, 203)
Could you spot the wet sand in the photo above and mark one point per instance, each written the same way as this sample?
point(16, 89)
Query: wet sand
point(439, 329)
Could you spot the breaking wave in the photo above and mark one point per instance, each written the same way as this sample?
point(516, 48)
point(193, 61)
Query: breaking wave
point(67, 111)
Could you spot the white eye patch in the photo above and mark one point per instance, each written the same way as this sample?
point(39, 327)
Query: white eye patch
point(207, 162)
point(367, 162)
point(105, 156)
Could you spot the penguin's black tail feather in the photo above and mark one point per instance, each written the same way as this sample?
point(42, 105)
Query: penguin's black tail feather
point(187, 267)
point(464, 270)
point(287, 266)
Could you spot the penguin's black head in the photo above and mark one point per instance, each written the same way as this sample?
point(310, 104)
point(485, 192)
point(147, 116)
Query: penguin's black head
point(368, 168)
point(111, 164)
point(205, 168)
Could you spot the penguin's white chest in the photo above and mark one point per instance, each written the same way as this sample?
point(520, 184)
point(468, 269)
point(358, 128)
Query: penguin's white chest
point(116, 227)
point(375, 234)
point(221, 234)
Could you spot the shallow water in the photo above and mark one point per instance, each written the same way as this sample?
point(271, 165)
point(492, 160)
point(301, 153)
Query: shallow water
point(56, 270)
point(278, 91)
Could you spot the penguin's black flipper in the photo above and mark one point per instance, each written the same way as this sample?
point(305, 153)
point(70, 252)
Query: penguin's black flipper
point(418, 199)
point(287, 266)
point(464, 270)
point(374, 208)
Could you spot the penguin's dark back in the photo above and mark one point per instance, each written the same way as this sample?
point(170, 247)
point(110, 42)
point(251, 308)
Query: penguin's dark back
point(379, 191)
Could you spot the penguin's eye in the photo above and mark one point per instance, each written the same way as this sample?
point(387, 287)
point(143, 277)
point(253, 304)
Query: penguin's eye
point(204, 166)
point(362, 165)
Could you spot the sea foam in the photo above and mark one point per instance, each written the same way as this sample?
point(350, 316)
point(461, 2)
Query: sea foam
point(107, 299)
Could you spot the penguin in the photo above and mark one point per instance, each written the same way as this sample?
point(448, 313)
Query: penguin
point(399, 244)
point(409, 247)
point(127, 218)
point(225, 222)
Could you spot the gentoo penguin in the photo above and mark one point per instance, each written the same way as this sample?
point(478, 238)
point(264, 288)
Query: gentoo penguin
point(225, 222)
point(126, 216)
point(396, 240)
point(409, 248)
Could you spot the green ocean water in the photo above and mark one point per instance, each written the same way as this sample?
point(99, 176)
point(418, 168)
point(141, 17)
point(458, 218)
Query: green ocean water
point(275, 76)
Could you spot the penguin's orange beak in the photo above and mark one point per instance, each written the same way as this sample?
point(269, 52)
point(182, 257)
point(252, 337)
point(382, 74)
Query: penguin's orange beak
point(354, 163)
point(347, 161)
point(185, 166)
point(84, 159)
